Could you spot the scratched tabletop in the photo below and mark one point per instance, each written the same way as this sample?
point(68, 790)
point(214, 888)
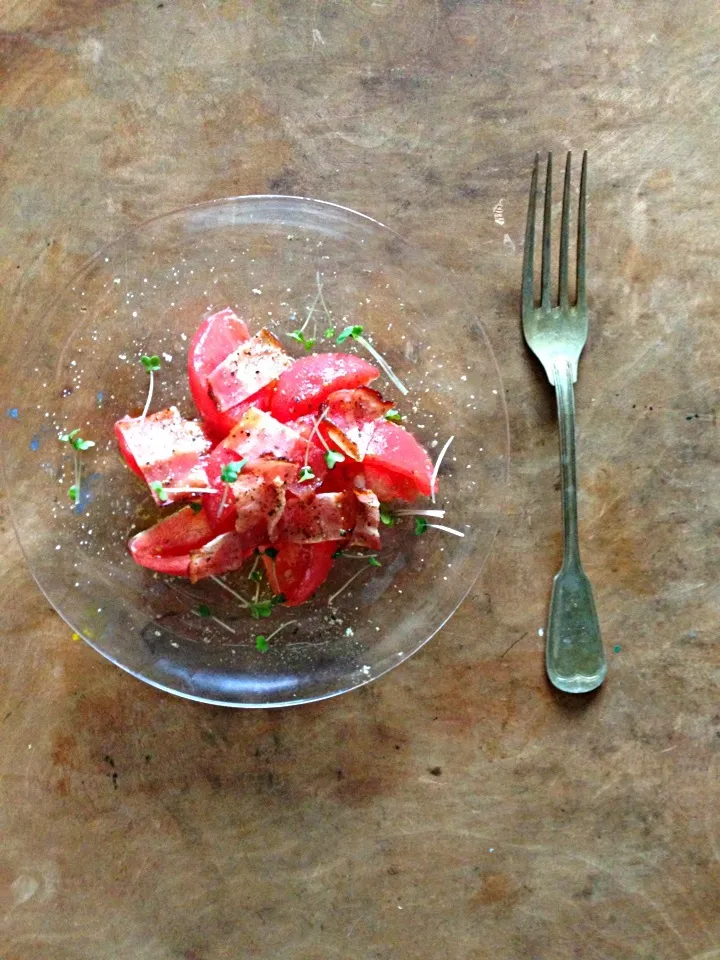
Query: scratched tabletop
point(457, 808)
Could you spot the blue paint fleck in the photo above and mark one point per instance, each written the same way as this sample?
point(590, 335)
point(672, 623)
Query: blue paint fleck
point(100, 397)
point(13, 413)
point(35, 443)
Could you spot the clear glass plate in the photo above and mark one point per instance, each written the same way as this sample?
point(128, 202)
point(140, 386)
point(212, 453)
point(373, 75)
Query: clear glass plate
point(145, 294)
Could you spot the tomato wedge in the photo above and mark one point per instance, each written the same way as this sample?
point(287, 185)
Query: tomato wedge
point(302, 388)
point(389, 486)
point(299, 569)
point(166, 546)
point(216, 338)
point(398, 452)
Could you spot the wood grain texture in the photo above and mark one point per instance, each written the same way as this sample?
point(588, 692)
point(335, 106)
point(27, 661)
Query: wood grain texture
point(457, 808)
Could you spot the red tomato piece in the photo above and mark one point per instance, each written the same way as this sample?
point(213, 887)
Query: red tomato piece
point(167, 450)
point(124, 449)
point(299, 569)
point(252, 366)
point(398, 452)
point(302, 388)
point(216, 338)
point(166, 545)
point(389, 486)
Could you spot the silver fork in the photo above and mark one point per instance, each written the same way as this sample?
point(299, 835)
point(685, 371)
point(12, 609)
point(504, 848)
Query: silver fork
point(574, 655)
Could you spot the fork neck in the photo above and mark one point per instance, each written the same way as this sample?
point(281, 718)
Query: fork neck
point(563, 381)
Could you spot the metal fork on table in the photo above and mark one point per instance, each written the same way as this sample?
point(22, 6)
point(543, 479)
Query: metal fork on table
point(574, 655)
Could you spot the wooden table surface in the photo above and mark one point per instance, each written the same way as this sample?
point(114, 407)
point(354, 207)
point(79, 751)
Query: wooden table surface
point(457, 808)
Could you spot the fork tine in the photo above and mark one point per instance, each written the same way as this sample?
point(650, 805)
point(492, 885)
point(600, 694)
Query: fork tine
point(545, 284)
point(528, 301)
point(581, 238)
point(564, 237)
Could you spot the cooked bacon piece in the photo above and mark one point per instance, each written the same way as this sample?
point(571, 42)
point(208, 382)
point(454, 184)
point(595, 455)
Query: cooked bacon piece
point(166, 449)
point(253, 365)
point(222, 555)
point(351, 419)
point(365, 532)
point(318, 518)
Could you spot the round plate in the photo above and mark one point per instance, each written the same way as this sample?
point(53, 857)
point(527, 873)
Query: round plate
point(146, 294)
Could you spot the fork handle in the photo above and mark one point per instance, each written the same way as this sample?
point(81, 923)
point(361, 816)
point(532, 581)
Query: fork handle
point(574, 655)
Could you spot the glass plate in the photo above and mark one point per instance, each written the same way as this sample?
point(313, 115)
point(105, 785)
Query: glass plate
point(146, 294)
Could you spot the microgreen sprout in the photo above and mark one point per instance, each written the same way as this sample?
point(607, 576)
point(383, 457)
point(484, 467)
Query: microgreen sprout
point(345, 586)
point(262, 642)
point(386, 515)
point(270, 552)
point(355, 332)
point(374, 562)
point(78, 445)
point(256, 575)
point(204, 611)
point(307, 342)
point(332, 458)
point(196, 506)
point(306, 474)
point(421, 525)
point(231, 471)
point(394, 416)
point(348, 332)
point(159, 490)
point(329, 333)
point(229, 474)
point(264, 608)
point(151, 364)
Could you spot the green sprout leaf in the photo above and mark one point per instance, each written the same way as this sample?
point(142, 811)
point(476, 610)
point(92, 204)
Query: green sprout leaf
point(374, 562)
point(263, 608)
point(270, 552)
point(159, 490)
point(330, 332)
point(421, 525)
point(257, 576)
point(74, 493)
point(195, 506)
point(331, 458)
point(231, 471)
point(305, 474)
point(394, 416)
point(204, 610)
point(261, 643)
point(348, 332)
point(338, 554)
point(76, 441)
point(151, 364)
point(278, 598)
point(299, 336)
point(386, 515)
